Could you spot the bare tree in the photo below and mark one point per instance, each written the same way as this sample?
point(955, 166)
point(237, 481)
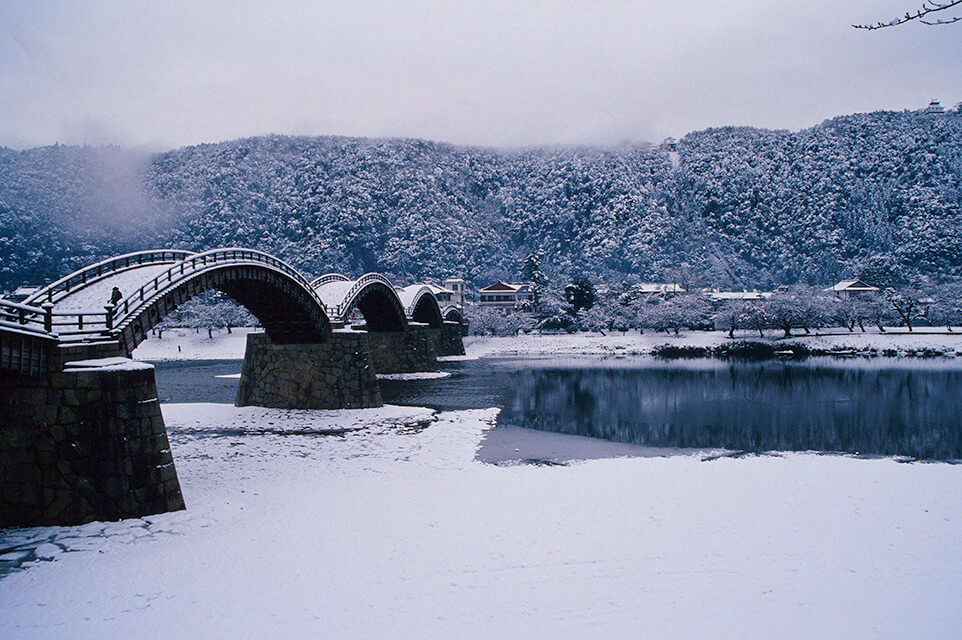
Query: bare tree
point(928, 13)
point(906, 303)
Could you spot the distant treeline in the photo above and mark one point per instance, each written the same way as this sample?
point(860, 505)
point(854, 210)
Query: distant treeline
point(799, 308)
point(728, 207)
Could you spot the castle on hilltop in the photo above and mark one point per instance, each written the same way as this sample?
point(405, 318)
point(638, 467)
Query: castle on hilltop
point(935, 108)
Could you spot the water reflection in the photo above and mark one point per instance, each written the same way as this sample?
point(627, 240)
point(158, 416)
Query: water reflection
point(883, 406)
point(853, 408)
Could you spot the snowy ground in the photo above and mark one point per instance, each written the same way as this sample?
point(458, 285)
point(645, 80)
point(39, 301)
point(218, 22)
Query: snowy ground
point(384, 524)
point(187, 344)
point(634, 343)
point(421, 375)
point(223, 346)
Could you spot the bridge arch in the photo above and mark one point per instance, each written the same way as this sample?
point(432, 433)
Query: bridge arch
point(328, 277)
point(421, 305)
point(453, 313)
point(274, 292)
point(372, 295)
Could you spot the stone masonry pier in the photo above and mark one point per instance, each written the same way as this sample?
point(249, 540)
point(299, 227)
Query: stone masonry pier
point(336, 374)
point(84, 443)
point(409, 351)
point(449, 339)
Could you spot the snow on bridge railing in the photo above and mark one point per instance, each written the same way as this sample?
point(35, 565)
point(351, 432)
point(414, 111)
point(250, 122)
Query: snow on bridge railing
point(452, 309)
point(328, 277)
point(64, 286)
point(26, 317)
point(341, 309)
point(410, 297)
point(128, 306)
point(81, 325)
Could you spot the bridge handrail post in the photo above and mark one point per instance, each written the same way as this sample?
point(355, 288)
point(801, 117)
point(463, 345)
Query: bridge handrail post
point(47, 316)
point(109, 322)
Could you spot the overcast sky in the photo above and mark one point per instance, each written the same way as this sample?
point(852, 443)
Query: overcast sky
point(166, 74)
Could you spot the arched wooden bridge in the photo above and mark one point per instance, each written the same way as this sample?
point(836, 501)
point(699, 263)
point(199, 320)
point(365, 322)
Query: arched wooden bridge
point(76, 309)
point(82, 423)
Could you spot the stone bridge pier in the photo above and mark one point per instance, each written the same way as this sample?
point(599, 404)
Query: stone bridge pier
point(449, 339)
point(85, 442)
point(335, 374)
point(409, 351)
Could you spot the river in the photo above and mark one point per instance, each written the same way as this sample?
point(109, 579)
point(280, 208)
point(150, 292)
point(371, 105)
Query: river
point(871, 407)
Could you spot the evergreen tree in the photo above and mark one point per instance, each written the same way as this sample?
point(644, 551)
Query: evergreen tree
point(531, 273)
point(580, 294)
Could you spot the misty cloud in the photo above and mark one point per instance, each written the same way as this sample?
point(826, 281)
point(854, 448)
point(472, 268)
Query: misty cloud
point(474, 73)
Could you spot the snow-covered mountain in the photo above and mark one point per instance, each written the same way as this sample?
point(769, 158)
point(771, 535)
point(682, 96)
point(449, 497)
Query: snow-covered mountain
point(740, 206)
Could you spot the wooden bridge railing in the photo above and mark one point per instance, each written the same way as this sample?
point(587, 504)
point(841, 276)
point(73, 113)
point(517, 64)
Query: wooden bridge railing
point(91, 324)
point(24, 317)
point(328, 277)
point(58, 290)
point(422, 291)
point(341, 309)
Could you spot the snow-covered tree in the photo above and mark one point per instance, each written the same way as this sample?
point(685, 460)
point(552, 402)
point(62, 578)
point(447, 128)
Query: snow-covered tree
point(531, 273)
point(580, 294)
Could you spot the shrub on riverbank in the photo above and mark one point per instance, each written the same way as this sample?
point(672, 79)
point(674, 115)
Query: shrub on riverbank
point(742, 349)
point(755, 350)
point(672, 351)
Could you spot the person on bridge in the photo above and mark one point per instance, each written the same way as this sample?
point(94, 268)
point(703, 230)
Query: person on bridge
point(116, 296)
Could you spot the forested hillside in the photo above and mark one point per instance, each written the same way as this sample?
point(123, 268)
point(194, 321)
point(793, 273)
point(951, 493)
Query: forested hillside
point(736, 207)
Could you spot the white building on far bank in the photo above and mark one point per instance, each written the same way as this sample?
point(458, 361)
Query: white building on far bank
point(723, 296)
point(659, 288)
point(456, 291)
point(850, 288)
point(505, 295)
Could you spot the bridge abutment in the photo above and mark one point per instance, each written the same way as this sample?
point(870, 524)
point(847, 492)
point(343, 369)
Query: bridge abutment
point(409, 351)
point(335, 374)
point(84, 443)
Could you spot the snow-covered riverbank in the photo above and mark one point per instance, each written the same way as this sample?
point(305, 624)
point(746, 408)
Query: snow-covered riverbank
point(383, 524)
point(185, 344)
point(633, 343)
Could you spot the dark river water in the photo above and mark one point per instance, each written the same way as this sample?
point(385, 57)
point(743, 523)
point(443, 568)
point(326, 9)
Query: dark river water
point(885, 407)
